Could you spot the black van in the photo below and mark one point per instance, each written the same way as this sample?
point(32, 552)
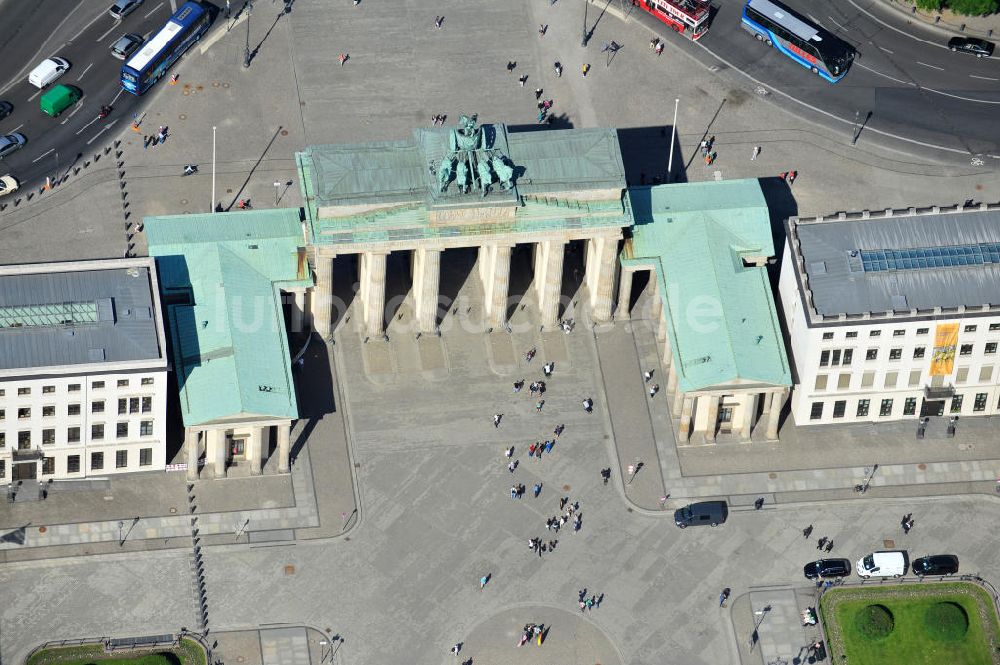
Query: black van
point(712, 513)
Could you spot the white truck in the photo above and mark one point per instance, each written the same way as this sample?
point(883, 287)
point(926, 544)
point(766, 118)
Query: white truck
point(888, 563)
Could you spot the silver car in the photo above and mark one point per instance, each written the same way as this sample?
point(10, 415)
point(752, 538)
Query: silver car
point(123, 8)
point(11, 143)
point(126, 45)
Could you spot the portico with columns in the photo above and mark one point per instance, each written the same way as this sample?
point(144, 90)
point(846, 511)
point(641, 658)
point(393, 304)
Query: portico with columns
point(211, 451)
point(709, 307)
point(477, 186)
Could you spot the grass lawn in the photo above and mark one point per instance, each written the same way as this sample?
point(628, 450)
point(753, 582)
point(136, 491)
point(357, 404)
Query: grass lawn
point(911, 624)
point(188, 652)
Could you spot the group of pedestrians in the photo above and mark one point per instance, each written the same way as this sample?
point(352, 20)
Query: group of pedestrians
point(823, 544)
point(586, 602)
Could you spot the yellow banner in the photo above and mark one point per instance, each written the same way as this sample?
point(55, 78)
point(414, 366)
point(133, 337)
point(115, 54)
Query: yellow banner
point(945, 342)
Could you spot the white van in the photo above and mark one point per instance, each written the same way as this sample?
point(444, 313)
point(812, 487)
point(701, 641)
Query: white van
point(48, 71)
point(890, 563)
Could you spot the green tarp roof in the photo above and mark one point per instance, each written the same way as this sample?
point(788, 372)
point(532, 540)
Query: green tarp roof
point(721, 318)
point(228, 340)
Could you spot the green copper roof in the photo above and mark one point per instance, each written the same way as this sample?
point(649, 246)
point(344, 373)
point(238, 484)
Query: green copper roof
point(721, 319)
point(228, 338)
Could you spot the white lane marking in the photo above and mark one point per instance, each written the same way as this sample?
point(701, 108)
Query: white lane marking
point(115, 99)
point(17, 128)
point(50, 151)
point(940, 69)
point(37, 92)
point(892, 27)
point(837, 24)
point(75, 111)
point(936, 92)
point(885, 49)
point(84, 73)
point(153, 10)
point(985, 78)
point(98, 134)
point(831, 116)
point(110, 30)
point(84, 128)
point(87, 27)
point(891, 78)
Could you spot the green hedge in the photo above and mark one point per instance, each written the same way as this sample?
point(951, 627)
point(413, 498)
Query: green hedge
point(962, 7)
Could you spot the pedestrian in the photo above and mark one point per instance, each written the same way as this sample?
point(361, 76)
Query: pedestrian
point(552, 544)
point(548, 446)
point(659, 48)
point(606, 475)
point(653, 42)
point(509, 452)
point(829, 546)
point(583, 605)
point(542, 29)
point(438, 20)
point(531, 449)
point(599, 600)
point(538, 93)
point(783, 175)
point(585, 68)
point(513, 491)
point(907, 526)
point(647, 375)
point(792, 175)
point(357, 2)
point(577, 523)
point(496, 419)
point(458, 647)
point(547, 368)
point(653, 389)
point(541, 116)
point(343, 57)
point(704, 147)
point(821, 542)
point(539, 405)
point(589, 603)
point(537, 489)
point(709, 158)
point(724, 596)
point(529, 355)
point(588, 405)
point(512, 466)
point(558, 67)
point(806, 532)
point(756, 151)
point(518, 385)
point(559, 429)
point(759, 503)
point(511, 66)
point(483, 581)
point(229, 10)
point(520, 490)
point(521, 79)
point(562, 502)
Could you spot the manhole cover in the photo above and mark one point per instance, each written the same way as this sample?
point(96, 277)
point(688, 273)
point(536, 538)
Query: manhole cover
point(183, 116)
point(630, 509)
point(225, 85)
point(172, 510)
point(565, 488)
point(200, 87)
point(889, 544)
point(772, 475)
point(215, 84)
point(240, 659)
point(284, 132)
point(229, 191)
point(186, 92)
point(922, 467)
point(184, 202)
point(289, 569)
point(42, 529)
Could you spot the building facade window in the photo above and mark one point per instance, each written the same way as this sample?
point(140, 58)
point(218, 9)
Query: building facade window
point(121, 459)
point(73, 464)
point(48, 390)
point(965, 350)
point(994, 327)
point(133, 405)
point(97, 407)
point(985, 373)
point(73, 435)
point(3, 414)
point(915, 377)
point(871, 354)
point(21, 392)
point(3, 468)
point(891, 378)
point(886, 408)
point(851, 334)
point(923, 331)
point(956, 404)
point(48, 466)
point(122, 406)
point(73, 387)
point(72, 409)
point(848, 357)
point(824, 358)
point(147, 381)
point(969, 329)
point(48, 411)
point(828, 335)
point(895, 354)
point(844, 382)
point(910, 406)
point(961, 375)
point(23, 439)
point(898, 333)
point(145, 456)
point(839, 407)
point(146, 426)
point(991, 348)
point(123, 383)
point(816, 411)
point(48, 437)
point(97, 432)
point(919, 351)
point(821, 380)
point(147, 404)
point(121, 430)
point(875, 333)
point(97, 385)
point(96, 461)
point(980, 402)
point(863, 406)
point(23, 413)
point(3, 439)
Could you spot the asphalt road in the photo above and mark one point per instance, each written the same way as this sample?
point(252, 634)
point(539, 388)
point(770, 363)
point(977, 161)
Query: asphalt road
point(915, 88)
point(82, 33)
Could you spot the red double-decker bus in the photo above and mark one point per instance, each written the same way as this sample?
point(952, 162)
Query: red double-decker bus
point(688, 17)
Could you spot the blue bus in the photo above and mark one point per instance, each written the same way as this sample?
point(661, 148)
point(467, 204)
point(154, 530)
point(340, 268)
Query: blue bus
point(156, 56)
point(809, 45)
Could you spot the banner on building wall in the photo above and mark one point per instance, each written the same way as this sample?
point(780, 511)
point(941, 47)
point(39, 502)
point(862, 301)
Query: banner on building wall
point(945, 342)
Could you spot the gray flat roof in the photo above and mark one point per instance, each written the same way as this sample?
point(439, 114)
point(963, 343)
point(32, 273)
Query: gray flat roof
point(933, 260)
point(77, 317)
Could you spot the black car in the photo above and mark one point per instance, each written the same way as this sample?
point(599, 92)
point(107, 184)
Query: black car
point(5, 109)
point(977, 47)
point(712, 513)
point(827, 568)
point(936, 564)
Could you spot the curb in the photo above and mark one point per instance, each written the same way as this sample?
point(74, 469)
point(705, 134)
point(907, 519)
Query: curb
point(934, 21)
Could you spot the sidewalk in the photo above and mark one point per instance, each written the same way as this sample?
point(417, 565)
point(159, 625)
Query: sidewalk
point(947, 21)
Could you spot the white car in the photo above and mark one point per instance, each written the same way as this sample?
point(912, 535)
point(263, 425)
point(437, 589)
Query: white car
point(47, 71)
point(8, 185)
point(890, 563)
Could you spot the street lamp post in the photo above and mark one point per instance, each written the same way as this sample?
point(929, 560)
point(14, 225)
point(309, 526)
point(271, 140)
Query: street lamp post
point(756, 625)
point(248, 8)
point(277, 186)
point(583, 43)
point(673, 136)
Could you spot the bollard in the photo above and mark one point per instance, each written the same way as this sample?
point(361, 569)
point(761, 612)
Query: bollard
point(97, 157)
point(961, 28)
point(107, 150)
point(118, 142)
point(86, 164)
point(121, 183)
point(76, 170)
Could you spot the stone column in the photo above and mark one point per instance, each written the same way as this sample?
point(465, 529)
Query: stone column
point(322, 295)
point(684, 427)
point(216, 451)
point(426, 286)
point(284, 447)
point(496, 281)
point(671, 379)
point(298, 308)
point(549, 256)
point(749, 410)
point(774, 413)
point(661, 327)
point(373, 292)
point(257, 442)
point(656, 302)
point(602, 259)
point(711, 406)
point(668, 355)
point(191, 441)
point(624, 295)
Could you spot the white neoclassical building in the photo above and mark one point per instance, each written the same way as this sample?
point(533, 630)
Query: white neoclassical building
point(893, 314)
point(83, 371)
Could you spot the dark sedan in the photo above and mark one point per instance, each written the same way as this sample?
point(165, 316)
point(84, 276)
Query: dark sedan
point(936, 564)
point(825, 568)
point(977, 47)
